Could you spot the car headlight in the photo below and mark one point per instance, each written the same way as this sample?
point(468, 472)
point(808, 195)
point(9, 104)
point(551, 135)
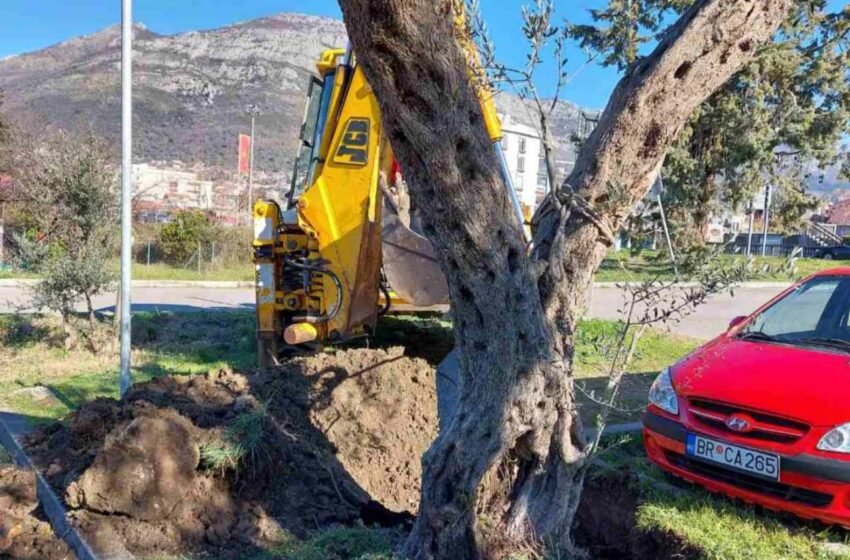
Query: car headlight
point(837, 440)
point(662, 394)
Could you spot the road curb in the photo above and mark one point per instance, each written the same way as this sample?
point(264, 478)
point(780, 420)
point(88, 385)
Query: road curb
point(244, 284)
point(615, 429)
point(53, 507)
point(206, 284)
point(743, 286)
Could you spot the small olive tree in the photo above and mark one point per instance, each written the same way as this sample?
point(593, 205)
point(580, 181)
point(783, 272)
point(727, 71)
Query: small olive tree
point(68, 214)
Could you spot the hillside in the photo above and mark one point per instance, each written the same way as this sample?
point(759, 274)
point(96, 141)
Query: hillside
point(191, 89)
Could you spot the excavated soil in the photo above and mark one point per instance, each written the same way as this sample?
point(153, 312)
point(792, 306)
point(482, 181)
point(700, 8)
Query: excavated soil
point(340, 437)
point(24, 533)
point(336, 440)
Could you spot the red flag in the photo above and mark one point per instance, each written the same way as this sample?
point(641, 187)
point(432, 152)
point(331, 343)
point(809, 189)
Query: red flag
point(244, 152)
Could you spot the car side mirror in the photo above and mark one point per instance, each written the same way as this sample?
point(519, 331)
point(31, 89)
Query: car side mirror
point(737, 321)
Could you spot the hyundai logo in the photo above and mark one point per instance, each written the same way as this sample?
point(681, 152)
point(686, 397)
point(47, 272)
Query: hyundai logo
point(738, 423)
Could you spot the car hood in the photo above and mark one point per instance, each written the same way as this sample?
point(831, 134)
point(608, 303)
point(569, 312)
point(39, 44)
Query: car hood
point(810, 385)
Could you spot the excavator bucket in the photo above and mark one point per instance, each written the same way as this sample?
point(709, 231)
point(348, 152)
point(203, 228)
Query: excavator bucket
point(410, 264)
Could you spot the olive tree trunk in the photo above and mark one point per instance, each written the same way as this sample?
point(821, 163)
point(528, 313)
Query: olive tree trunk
point(515, 311)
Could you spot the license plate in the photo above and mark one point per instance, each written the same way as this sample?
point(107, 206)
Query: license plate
point(734, 457)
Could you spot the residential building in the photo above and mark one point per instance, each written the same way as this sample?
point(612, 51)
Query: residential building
point(526, 162)
point(172, 188)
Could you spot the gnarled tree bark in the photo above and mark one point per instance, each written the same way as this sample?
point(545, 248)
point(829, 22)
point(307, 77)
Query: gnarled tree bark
point(515, 313)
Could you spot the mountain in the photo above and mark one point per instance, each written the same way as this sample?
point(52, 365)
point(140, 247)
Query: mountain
point(191, 90)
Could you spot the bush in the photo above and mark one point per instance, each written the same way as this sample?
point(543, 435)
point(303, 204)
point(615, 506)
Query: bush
point(69, 218)
point(179, 239)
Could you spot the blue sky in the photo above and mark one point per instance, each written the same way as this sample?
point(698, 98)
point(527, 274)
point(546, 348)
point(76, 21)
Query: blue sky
point(34, 24)
point(27, 26)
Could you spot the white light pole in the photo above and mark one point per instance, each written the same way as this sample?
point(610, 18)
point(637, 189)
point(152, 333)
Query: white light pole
point(253, 111)
point(766, 214)
point(126, 186)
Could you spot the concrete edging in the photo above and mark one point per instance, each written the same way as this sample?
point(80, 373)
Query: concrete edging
point(53, 507)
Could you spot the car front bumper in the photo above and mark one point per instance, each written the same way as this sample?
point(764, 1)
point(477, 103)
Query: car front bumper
point(810, 487)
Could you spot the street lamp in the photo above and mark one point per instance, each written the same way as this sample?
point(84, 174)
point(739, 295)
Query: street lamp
point(126, 186)
point(253, 111)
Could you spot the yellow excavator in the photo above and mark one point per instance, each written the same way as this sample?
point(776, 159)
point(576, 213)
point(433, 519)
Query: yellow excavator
point(340, 251)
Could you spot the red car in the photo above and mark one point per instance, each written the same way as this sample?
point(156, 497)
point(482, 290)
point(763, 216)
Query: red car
point(762, 412)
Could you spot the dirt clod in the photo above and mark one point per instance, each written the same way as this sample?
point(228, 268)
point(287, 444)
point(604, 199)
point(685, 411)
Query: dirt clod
point(24, 533)
point(143, 470)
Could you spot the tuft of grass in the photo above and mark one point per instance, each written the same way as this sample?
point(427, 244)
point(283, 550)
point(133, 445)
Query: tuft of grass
point(221, 457)
point(243, 444)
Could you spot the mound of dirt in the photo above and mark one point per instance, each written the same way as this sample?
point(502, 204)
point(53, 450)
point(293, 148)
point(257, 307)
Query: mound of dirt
point(379, 420)
point(24, 534)
point(226, 464)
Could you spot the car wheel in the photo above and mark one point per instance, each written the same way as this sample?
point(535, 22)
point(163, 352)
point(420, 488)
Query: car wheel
point(828, 256)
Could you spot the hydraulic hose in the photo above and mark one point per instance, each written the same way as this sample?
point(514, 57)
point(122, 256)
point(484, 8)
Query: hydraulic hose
point(334, 278)
point(387, 300)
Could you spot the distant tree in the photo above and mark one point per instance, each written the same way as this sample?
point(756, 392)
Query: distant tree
point(787, 109)
point(68, 212)
point(180, 238)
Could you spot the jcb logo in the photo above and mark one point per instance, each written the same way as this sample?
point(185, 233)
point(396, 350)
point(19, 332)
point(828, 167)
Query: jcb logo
point(353, 148)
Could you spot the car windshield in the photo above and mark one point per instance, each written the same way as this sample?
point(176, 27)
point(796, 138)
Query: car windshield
point(817, 313)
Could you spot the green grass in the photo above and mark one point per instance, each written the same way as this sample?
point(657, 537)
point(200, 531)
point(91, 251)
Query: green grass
point(13, 274)
point(343, 543)
point(163, 344)
point(720, 528)
point(621, 266)
point(354, 543)
point(231, 273)
point(594, 348)
point(195, 343)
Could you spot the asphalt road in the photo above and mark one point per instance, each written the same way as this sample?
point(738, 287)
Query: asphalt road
point(706, 322)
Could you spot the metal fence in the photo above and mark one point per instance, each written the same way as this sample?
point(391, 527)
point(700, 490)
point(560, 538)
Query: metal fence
point(207, 256)
point(775, 250)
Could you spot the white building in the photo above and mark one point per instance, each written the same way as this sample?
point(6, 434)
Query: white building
point(175, 188)
point(526, 162)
